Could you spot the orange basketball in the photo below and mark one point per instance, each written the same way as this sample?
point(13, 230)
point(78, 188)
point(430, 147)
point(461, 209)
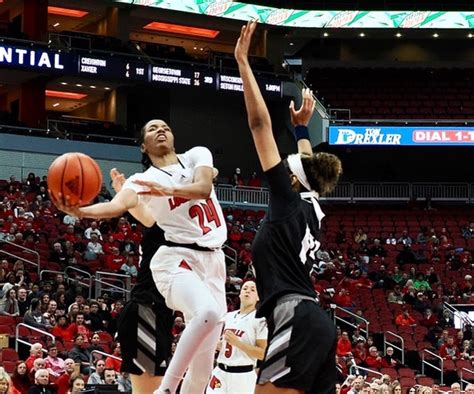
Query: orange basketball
point(74, 175)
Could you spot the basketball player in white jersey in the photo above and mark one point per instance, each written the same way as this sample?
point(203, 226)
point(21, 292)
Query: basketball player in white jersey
point(244, 342)
point(177, 194)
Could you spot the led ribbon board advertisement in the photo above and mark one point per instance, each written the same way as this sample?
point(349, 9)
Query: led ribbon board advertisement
point(401, 136)
point(115, 67)
point(317, 19)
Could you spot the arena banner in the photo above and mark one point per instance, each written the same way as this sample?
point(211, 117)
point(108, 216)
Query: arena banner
point(400, 136)
point(317, 19)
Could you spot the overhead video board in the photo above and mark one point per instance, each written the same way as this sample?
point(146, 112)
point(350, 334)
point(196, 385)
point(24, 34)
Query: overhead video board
point(115, 67)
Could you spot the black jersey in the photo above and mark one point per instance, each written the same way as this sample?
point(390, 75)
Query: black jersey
point(145, 291)
point(284, 248)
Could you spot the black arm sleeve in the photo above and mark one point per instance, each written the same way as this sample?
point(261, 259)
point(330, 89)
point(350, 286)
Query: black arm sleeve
point(282, 197)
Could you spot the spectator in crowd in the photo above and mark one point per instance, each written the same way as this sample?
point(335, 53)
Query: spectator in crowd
point(104, 195)
point(456, 388)
point(115, 261)
point(96, 320)
point(422, 303)
point(9, 304)
point(357, 385)
point(62, 382)
point(93, 229)
point(469, 389)
point(53, 363)
point(360, 236)
point(76, 384)
point(237, 179)
point(128, 268)
point(78, 327)
point(36, 351)
point(58, 254)
point(377, 250)
point(422, 237)
point(391, 240)
point(12, 283)
point(178, 326)
point(254, 180)
point(94, 248)
point(395, 296)
point(38, 364)
point(20, 378)
point(374, 360)
point(360, 353)
point(405, 239)
point(389, 360)
point(5, 382)
point(124, 383)
point(429, 319)
point(79, 354)
point(344, 345)
point(449, 350)
point(468, 231)
point(97, 377)
point(41, 385)
point(404, 319)
point(343, 299)
point(95, 345)
point(110, 376)
point(113, 362)
point(447, 320)
point(467, 351)
point(61, 329)
point(420, 283)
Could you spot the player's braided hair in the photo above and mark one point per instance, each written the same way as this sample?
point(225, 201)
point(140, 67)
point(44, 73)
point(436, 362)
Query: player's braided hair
point(146, 162)
point(322, 170)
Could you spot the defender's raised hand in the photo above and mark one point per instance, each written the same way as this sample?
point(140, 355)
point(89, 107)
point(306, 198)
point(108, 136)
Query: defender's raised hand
point(242, 48)
point(302, 116)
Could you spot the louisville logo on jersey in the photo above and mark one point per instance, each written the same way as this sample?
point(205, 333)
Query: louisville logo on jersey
point(215, 383)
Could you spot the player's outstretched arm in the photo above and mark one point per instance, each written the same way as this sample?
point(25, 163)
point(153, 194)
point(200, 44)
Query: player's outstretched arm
point(300, 119)
point(200, 188)
point(258, 117)
point(123, 201)
point(140, 212)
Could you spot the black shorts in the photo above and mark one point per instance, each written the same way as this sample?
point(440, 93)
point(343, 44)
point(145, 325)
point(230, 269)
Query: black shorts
point(144, 332)
point(301, 351)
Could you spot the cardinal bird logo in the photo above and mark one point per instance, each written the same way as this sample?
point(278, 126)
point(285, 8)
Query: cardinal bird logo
point(215, 383)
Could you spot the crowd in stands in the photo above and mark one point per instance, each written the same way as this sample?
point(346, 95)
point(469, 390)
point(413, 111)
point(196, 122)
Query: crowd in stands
point(398, 282)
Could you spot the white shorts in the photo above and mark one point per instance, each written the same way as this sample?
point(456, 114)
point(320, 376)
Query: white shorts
point(209, 267)
point(231, 383)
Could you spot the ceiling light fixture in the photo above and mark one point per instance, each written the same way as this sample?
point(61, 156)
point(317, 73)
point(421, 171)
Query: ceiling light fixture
point(63, 83)
point(67, 12)
point(56, 105)
point(398, 35)
point(182, 29)
point(362, 35)
point(65, 95)
point(436, 35)
point(326, 34)
point(56, 24)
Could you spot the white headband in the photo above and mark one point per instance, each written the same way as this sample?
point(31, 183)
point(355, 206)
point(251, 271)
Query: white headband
point(296, 167)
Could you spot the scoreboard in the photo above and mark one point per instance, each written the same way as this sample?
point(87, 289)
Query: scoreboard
point(123, 68)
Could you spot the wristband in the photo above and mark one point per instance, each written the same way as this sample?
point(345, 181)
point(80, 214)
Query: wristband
point(301, 133)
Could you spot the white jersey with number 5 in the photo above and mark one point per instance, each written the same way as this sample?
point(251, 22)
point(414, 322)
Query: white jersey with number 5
point(184, 221)
point(249, 329)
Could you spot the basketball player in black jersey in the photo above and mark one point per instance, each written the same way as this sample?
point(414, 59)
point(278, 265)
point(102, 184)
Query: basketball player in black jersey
point(144, 326)
point(300, 357)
